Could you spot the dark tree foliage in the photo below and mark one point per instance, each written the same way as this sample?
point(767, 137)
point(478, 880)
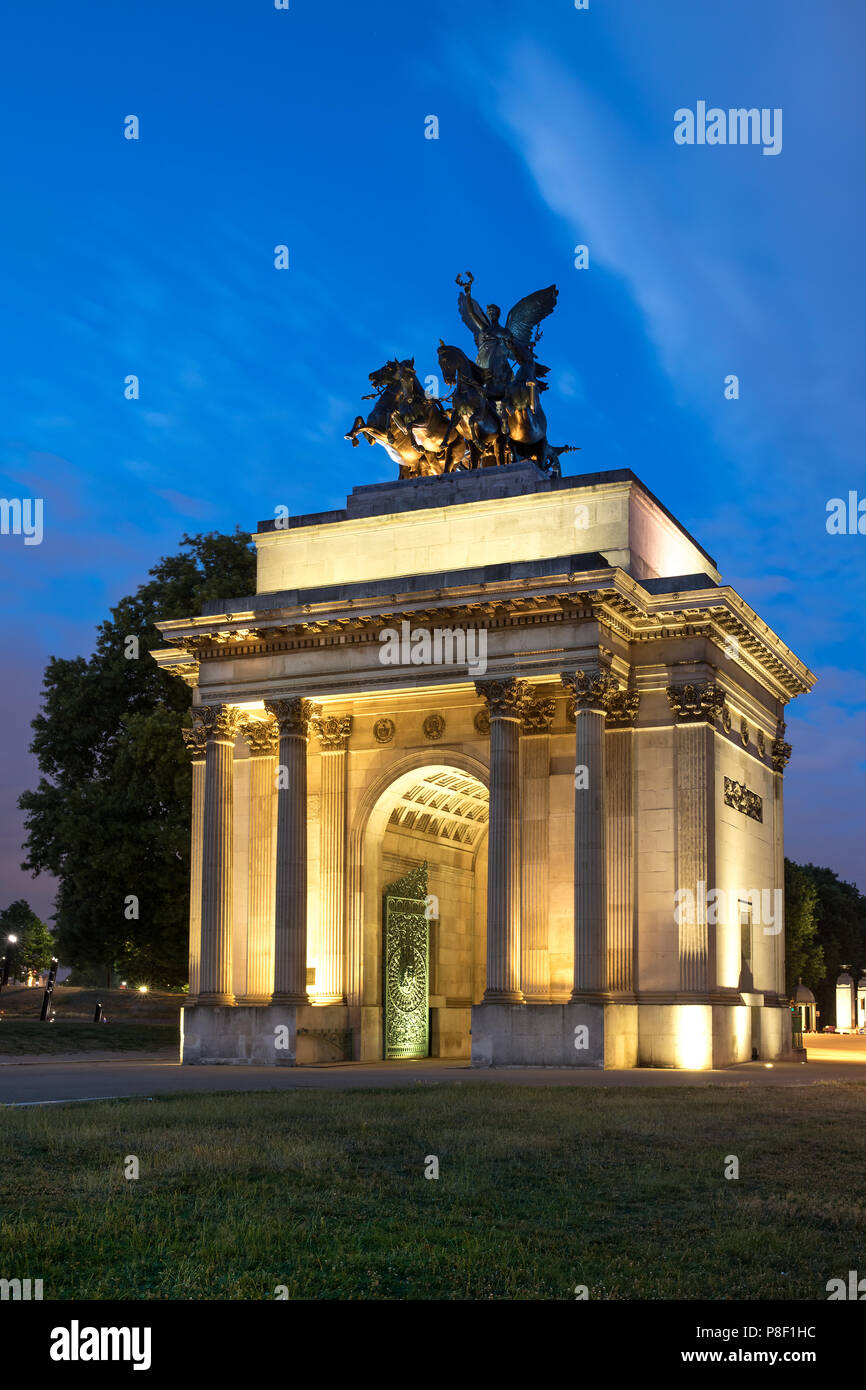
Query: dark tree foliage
point(804, 954)
point(34, 946)
point(840, 930)
point(110, 818)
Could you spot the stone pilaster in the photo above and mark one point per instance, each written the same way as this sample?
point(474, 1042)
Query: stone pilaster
point(619, 793)
point(333, 733)
point(536, 717)
point(504, 699)
point(592, 690)
point(696, 707)
point(220, 724)
point(293, 718)
point(196, 746)
point(261, 738)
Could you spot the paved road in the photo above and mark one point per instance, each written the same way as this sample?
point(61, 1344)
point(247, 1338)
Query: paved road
point(100, 1080)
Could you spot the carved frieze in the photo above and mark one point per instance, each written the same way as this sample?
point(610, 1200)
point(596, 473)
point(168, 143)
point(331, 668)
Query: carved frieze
point(737, 794)
point(383, 730)
point(482, 722)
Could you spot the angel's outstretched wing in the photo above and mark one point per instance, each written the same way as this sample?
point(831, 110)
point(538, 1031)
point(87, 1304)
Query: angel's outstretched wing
point(454, 359)
point(473, 315)
point(528, 312)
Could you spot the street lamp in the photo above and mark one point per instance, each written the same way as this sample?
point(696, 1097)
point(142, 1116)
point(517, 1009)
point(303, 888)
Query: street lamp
point(11, 941)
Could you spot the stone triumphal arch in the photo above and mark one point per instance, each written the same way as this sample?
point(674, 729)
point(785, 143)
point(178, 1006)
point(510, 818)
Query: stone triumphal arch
point(497, 742)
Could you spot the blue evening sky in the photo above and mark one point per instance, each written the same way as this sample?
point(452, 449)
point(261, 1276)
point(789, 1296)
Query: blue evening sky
point(306, 127)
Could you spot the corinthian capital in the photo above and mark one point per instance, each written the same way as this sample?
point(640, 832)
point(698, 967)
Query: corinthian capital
point(261, 737)
point(333, 732)
point(701, 700)
point(781, 754)
point(536, 714)
point(220, 723)
point(504, 698)
point(293, 716)
point(623, 709)
point(196, 742)
point(592, 689)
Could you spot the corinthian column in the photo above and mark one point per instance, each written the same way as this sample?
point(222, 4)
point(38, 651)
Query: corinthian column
point(196, 747)
point(290, 946)
point(592, 690)
point(220, 724)
point(536, 718)
point(333, 733)
point(504, 699)
point(261, 738)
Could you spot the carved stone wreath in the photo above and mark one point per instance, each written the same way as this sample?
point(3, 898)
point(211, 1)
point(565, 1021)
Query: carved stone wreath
point(434, 727)
point(762, 745)
point(383, 730)
point(482, 722)
point(744, 733)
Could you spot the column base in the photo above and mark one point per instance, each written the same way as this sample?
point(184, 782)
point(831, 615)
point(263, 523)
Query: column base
point(216, 1001)
point(493, 996)
point(294, 1001)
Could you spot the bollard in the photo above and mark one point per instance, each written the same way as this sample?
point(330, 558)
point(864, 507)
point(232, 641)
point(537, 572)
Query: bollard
point(49, 989)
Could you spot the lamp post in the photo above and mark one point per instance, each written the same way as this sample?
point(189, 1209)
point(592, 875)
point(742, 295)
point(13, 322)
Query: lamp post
point(11, 941)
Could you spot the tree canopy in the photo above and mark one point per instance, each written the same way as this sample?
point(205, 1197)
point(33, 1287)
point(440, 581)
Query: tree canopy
point(110, 817)
point(34, 946)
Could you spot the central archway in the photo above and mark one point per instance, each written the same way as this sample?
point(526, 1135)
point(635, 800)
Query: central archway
point(430, 807)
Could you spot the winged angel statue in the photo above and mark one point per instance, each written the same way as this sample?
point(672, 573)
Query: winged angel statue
point(492, 414)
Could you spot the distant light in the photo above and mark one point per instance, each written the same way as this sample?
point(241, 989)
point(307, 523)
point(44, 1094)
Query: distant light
point(12, 940)
point(142, 989)
point(768, 1066)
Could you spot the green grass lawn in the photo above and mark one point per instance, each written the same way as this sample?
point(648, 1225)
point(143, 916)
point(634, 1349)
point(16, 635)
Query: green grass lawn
point(540, 1190)
point(21, 1036)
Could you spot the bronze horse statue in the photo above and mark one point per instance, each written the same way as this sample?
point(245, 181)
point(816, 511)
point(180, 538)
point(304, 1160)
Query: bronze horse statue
point(412, 427)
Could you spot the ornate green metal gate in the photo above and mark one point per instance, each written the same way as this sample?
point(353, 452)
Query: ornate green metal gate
point(406, 971)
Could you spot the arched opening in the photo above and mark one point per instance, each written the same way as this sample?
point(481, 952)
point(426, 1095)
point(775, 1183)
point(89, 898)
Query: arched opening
point(434, 812)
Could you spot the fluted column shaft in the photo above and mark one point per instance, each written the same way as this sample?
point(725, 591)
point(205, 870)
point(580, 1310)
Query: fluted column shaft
point(195, 744)
point(503, 854)
point(696, 707)
point(592, 689)
point(215, 980)
point(261, 735)
point(333, 733)
point(290, 936)
point(537, 715)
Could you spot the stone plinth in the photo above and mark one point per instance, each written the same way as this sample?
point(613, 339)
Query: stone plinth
point(239, 1036)
point(538, 1035)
